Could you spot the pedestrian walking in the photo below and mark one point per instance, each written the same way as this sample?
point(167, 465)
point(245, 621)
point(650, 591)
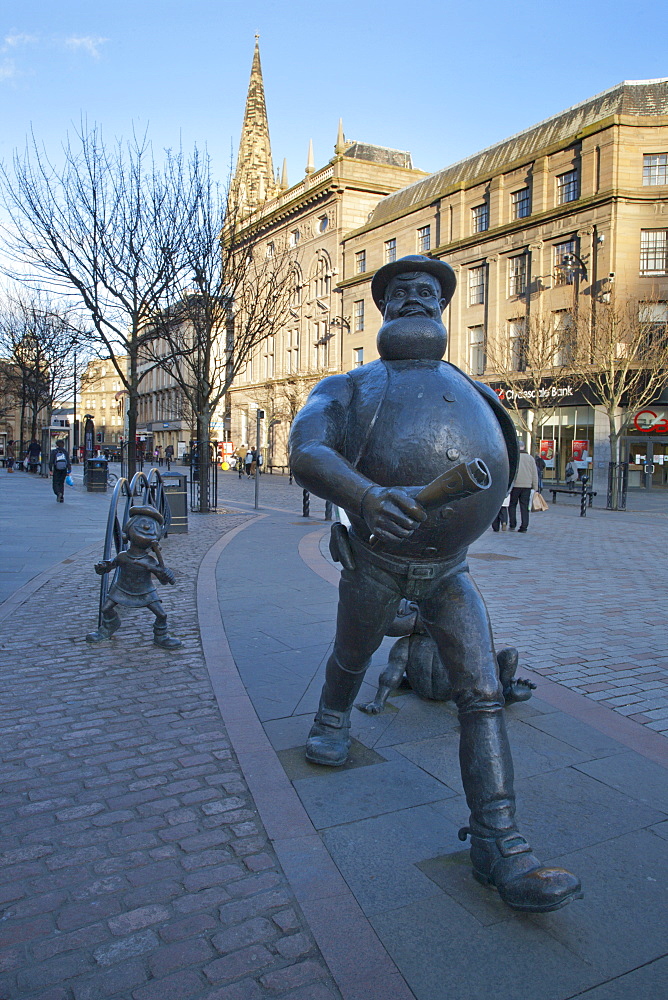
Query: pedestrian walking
point(248, 462)
point(34, 452)
point(540, 468)
point(571, 474)
point(526, 480)
point(169, 455)
point(11, 456)
point(501, 519)
point(59, 467)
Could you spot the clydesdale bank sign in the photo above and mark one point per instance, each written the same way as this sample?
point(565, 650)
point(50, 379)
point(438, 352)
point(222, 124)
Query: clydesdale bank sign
point(546, 393)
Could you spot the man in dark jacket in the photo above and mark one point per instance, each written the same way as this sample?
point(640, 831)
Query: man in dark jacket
point(374, 441)
point(59, 467)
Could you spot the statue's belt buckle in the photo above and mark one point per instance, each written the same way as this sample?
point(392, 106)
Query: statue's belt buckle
point(416, 572)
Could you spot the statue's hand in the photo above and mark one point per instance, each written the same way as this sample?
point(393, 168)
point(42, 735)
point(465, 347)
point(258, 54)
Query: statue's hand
point(391, 513)
point(101, 568)
point(166, 576)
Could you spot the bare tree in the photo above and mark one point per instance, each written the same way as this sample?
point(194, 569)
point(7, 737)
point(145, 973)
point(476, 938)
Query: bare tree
point(622, 354)
point(105, 227)
point(226, 299)
point(535, 365)
point(37, 342)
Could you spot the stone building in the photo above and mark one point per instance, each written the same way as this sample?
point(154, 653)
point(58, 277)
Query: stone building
point(311, 217)
point(102, 398)
point(569, 213)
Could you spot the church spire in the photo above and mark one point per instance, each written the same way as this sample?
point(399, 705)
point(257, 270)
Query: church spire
point(254, 180)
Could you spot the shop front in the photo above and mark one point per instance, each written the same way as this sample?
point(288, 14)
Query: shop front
point(562, 429)
point(645, 447)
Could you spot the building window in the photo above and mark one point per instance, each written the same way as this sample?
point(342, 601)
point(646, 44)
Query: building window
point(653, 317)
point(564, 275)
point(296, 292)
point(270, 250)
point(480, 218)
point(269, 358)
point(323, 222)
point(564, 331)
point(655, 168)
point(294, 237)
point(476, 350)
point(567, 187)
point(390, 251)
point(653, 251)
point(520, 203)
point(477, 285)
point(358, 357)
point(320, 345)
point(358, 316)
point(424, 239)
point(323, 278)
point(517, 275)
point(517, 346)
point(360, 262)
point(292, 351)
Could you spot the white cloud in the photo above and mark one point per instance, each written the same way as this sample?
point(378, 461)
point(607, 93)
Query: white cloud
point(88, 43)
point(16, 40)
point(7, 70)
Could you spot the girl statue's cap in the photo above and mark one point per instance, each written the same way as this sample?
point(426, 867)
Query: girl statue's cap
point(146, 512)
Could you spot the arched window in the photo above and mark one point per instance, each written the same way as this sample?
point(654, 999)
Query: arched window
point(322, 279)
point(296, 289)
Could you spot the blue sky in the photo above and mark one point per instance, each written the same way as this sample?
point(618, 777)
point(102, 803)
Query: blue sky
point(439, 78)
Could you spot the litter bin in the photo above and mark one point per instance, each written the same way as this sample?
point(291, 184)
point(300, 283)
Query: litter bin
point(175, 487)
point(96, 475)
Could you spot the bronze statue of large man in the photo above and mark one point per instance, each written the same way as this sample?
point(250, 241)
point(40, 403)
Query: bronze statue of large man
point(370, 440)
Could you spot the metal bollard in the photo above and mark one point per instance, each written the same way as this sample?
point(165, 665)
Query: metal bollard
point(306, 504)
point(328, 510)
point(583, 497)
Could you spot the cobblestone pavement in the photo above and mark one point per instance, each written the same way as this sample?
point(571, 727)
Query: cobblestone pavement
point(135, 865)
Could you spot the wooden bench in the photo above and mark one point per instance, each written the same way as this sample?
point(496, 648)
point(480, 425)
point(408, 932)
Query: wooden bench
point(577, 493)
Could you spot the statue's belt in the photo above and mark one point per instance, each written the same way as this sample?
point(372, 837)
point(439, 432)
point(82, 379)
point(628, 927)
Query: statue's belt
point(414, 569)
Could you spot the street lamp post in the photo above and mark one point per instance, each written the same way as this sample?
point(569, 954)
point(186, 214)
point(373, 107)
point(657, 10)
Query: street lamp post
point(260, 416)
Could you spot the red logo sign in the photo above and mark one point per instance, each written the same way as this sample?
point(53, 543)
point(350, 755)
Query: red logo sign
point(649, 422)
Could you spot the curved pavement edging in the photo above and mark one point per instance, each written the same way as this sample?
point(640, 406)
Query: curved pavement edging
point(332, 912)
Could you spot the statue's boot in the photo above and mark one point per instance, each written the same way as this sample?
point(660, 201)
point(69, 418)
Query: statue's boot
point(328, 742)
point(500, 855)
point(161, 637)
point(111, 622)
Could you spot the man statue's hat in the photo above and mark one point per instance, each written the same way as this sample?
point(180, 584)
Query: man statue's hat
point(414, 262)
point(146, 512)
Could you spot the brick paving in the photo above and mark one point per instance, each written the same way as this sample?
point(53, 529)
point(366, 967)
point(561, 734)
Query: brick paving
point(135, 866)
point(585, 603)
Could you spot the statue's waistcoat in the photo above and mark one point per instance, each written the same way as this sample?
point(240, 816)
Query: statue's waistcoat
point(410, 421)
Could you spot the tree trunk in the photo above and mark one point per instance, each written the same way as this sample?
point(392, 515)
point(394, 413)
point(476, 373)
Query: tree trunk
point(204, 450)
point(614, 437)
point(133, 402)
